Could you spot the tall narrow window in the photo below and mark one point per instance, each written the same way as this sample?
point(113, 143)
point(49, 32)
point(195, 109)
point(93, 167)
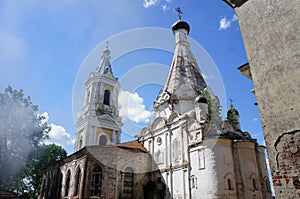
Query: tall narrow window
point(87, 97)
point(201, 158)
point(67, 185)
point(106, 97)
point(95, 189)
point(176, 150)
point(80, 143)
point(194, 182)
point(254, 184)
point(128, 183)
point(229, 185)
point(77, 182)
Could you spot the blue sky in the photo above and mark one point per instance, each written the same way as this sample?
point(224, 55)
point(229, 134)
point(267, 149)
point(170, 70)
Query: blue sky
point(43, 46)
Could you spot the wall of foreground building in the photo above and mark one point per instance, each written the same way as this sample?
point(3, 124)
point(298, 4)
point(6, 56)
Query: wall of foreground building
point(271, 35)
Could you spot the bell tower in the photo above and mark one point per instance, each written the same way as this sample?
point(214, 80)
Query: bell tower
point(99, 122)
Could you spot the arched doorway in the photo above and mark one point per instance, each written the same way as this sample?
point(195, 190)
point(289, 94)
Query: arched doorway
point(149, 190)
point(155, 190)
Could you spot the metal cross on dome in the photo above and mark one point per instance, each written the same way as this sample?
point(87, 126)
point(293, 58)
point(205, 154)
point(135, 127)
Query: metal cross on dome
point(179, 12)
point(231, 100)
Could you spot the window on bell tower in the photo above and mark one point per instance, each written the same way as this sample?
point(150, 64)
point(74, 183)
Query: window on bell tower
point(106, 97)
point(103, 140)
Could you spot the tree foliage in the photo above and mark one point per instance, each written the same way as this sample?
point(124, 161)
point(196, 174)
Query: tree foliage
point(213, 114)
point(21, 131)
point(232, 116)
point(38, 160)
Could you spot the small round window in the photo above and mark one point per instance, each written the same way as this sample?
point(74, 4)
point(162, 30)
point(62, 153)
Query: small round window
point(158, 140)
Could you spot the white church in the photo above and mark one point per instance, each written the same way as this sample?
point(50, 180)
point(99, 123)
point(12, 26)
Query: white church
point(186, 152)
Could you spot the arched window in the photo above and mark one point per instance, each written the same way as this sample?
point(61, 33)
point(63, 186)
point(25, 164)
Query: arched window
point(128, 183)
point(229, 184)
point(95, 189)
point(229, 180)
point(254, 182)
point(103, 140)
point(149, 190)
point(106, 97)
point(67, 184)
point(194, 182)
point(77, 182)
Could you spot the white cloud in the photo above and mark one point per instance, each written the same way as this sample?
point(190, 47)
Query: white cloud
point(226, 23)
point(165, 8)
point(150, 3)
point(132, 107)
point(255, 119)
point(58, 134)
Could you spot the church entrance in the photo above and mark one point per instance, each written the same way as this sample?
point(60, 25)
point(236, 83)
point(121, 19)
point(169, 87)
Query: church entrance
point(155, 190)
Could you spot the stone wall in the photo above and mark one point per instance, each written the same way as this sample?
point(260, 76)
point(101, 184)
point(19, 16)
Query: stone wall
point(271, 35)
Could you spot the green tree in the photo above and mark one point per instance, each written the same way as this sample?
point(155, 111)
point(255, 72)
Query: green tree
point(232, 116)
point(213, 114)
point(38, 160)
point(21, 131)
point(210, 107)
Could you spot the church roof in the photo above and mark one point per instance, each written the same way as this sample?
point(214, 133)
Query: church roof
point(132, 145)
point(184, 68)
point(105, 66)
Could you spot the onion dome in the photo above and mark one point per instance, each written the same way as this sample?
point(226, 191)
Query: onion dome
point(181, 25)
point(233, 111)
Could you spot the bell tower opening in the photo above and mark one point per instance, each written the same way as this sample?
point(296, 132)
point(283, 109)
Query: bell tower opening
point(103, 140)
point(106, 97)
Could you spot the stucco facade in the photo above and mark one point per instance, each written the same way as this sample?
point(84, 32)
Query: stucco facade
point(198, 155)
point(271, 35)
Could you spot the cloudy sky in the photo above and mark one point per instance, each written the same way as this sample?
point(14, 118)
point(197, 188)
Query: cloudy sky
point(45, 49)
